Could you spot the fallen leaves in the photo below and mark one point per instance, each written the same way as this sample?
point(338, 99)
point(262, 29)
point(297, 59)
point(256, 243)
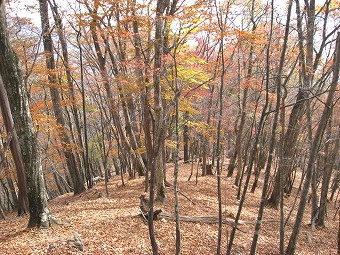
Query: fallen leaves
point(110, 225)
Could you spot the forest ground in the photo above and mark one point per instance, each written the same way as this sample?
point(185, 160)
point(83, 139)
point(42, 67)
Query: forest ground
point(111, 225)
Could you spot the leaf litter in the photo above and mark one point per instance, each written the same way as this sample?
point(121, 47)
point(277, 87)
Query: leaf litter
point(95, 224)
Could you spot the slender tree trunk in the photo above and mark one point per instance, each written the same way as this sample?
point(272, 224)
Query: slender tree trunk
point(76, 176)
point(128, 146)
point(275, 124)
point(71, 92)
point(238, 143)
point(178, 230)
point(158, 129)
point(88, 171)
point(295, 118)
point(327, 173)
point(186, 139)
point(254, 146)
point(221, 22)
point(15, 149)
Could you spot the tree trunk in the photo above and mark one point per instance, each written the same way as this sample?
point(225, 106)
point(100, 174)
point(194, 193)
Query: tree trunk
point(327, 173)
point(205, 143)
point(15, 149)
point(17, 95)
point(71, 92)
point(275, 124)
point(221, 17)
point(72, 166)
point(315, 147)
point(294, 125)
point(186, 139)
point(128, 146)
point(254, 145)
point(238, 143)
point(158, 129)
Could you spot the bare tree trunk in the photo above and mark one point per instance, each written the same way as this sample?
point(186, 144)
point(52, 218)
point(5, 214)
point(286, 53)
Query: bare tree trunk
point(86, 146)
point(295, 118)
point(158, 129)
point(327, 173)
point(76, 176)
point(275, 124)
point(186, 139)
point(15, 149)
point(238, 143)
point(254, 146)
point(178, 230)
point(71, 92)
point(315, 147)
point(221, 16)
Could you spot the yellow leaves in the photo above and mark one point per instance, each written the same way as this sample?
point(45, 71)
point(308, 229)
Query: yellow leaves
point(202, 128)
point(334, 8)
point(187, 106)
point(170, 143)
point(191, 69)
point(140, 150)
point(45, 122)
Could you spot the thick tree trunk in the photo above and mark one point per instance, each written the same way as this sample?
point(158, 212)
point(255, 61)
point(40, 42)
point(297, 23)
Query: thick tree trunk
point(289, 145)
point(9, 70)
point(315, 147)
point(294, 126)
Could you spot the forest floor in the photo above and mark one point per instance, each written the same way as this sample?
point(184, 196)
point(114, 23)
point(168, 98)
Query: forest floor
point(111, 225)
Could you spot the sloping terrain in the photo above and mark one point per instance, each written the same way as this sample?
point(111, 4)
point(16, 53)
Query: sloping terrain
point(93, 223)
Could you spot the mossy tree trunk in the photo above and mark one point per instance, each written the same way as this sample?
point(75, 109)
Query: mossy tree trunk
point(23, 123)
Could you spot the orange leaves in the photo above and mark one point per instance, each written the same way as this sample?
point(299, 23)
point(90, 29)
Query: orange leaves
point(253, 83)
point(253, 38)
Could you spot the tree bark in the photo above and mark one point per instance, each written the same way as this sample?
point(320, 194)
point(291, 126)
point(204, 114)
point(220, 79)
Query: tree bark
point(255, 144)
point(315, 147)
point(186, 139)
point(15, 149)
point(77, 180)
point(71, 92)
point(37, 196)
point(327, 173)
point(275, 124)
point(293, 130)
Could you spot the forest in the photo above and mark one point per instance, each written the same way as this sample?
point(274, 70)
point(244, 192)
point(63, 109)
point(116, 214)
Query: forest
point(169, 127)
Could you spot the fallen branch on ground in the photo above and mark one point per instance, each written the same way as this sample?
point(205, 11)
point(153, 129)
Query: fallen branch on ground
point(200, 219)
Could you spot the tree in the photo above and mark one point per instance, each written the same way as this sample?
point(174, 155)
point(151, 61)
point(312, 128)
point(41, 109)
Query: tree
point(15, 149)
point(77, 180)
point(37, 197)
point(315, 147)
point(71, 92)
point(273, 132)
point(330, 157)
point(254, 148)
